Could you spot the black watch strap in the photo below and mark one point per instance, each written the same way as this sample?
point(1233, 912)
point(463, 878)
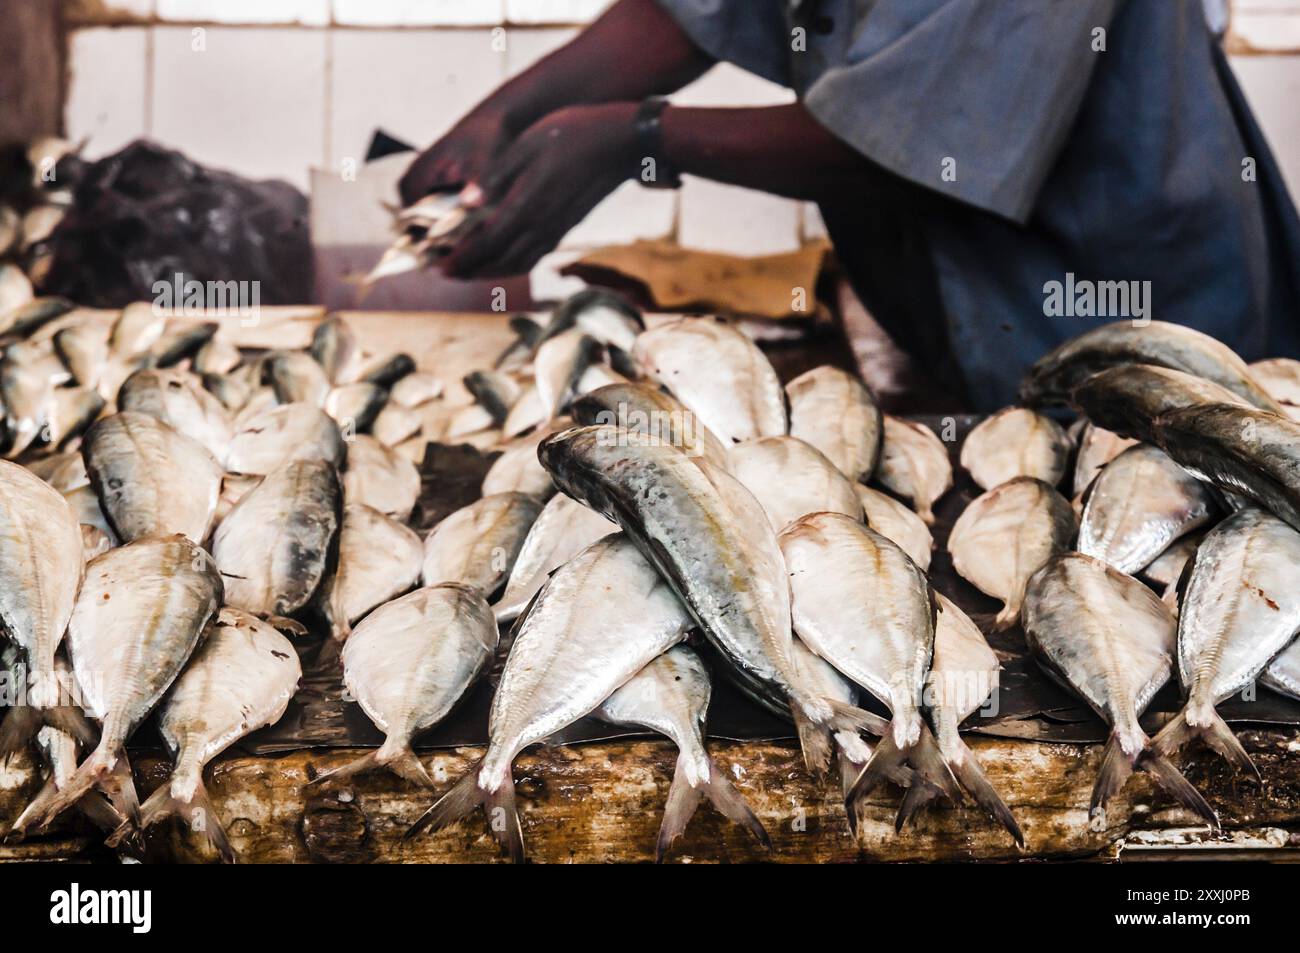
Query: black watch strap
point(658, 173)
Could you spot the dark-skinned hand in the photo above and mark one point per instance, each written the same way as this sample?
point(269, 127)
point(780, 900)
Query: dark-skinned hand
point(462, 156)
point(543, 184)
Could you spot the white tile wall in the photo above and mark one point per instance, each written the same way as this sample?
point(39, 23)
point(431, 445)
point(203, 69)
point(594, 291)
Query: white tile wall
point(724, 218)
point(305, 12)
point(107, 114)
point(554, 11)
point(413, 83)
point(419, 12)
point(251, 100)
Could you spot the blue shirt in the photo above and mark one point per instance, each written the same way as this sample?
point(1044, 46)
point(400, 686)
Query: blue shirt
point(1076, 149)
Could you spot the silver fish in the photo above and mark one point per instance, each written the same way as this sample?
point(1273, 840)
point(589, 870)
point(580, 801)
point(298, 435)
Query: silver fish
point(335, 348)
point(528, 412)
point(239, 679)
point(1110, 639)
point(861, 604)
point(854, 751)
point(1097, 447)
point(834, 411)
point(84, 503)
point(1283, 673)
point(179, 343)
point(1280, 378)
point(558, 366)
point(380, 477)
point(1129, 399)
point(518, 470)
point(408, 663)
point(671, 696)
point(608, 317)
point(710, 538)
point(1167, 568)
point(84, 349)
point(577, 644)
point(41, 566)
point(1241, 608)
point(15, 291)
point(477, 545)
point(1006, 535)
point(395, 423)
point(651, 411)
point(94, 541)
point(388, 371)
point(563, 529)
point(177, 399)
point(790, 479)
point(378, 560)
point(297, 378)
point(136, 329)
point(274, 546)
point(150, 479)
point(914, 464)
point(71, 412)
point(355, 406)
point(127, 644)
point(27, 395)
point(1138, 505)
point(217, 356)
point(1016, 442)
point(233, 390)
point(283, 434)
point(894, 521)
point(1054, 376)
point(417, 388)
point(494, 391)
point(717, 372)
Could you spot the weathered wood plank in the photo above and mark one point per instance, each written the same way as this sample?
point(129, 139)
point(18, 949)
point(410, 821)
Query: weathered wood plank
point(603, 802)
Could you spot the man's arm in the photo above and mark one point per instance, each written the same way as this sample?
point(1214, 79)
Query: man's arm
point(633, 51)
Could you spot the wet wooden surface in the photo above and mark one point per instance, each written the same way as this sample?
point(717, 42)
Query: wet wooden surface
point(601, 803)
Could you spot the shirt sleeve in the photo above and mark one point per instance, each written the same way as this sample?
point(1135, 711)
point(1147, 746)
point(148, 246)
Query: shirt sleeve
point(752, 34)
point(971, 98)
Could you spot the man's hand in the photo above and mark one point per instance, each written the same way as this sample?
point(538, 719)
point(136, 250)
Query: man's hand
point(543, 184)
point(458, 158)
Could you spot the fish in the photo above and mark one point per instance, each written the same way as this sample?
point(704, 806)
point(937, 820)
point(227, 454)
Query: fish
point(15, 291)
point(150, 479)
point(380, 477)
point(177, 398)
point(239, 679)
point(963, 675)
point(477, 545)
point(651, 411)
point(1167, 568)
point(494, 392)
point(577, 644)
point(527, 412)
point(71, 412)
point(914, 464)
point(1005, 535)
point(558, 366)
point(1243, 451)
point(94, 541)
point(275, 545)
point(836, 413)
point(417, 388)
point(790, 479)
point(1129, 399)
point(284, 434)
point(395, 424)
point(137, 328)
point(562, 529)
point(354, 407)
point(217, 356)
point(83, 348)
point(1138, 506)
point(41, 567)
point(179, 344)
point(599, 313)
point(1055, 375)
point(860, 603)
point(1282, 674)
point(711, 540)
point(518, 470)
point(84, 503)
point(137, 619)
point(894, 521)
point(389, 371)
point(527, 335)
point(27, 395)
point(1097, 447)
point(378, 559)
point(233, 390)
point(1240, 608)
point(334, 347)
point(717, 372)
point(297, 378)
point(1016, 442)
point(1280, 379)
point(854, 751)
point(670, 696)
point(1108, 638)
point(408, 664)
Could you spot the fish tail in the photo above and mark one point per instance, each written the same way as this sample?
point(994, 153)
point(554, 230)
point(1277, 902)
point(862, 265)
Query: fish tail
point(919, 794)
point(395, 755)
point(119, 787)
point(1116, 766)
point(330, 654)
point(846, 717)
point(24, 721)
point(52, 801)
point(467, 794)
point(1177, 786)
point(684, 797)
point(850, 768)
point(1214, 731)
point(970, 775)
point(1008, 616)
point(890, 761)
point(195, 810)
point(814, 741)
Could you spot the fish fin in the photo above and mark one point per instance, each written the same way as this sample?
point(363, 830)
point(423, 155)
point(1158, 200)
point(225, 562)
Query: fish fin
point(846, 717)
point(119, 787)
point(924, 511)
point(814, 741)
point(1216, 734)
point(290, 627)
point(928, 763)
point(1177, 786)
point(970, 775)
point(731, 804)
point(683, 799)
point(99, 811)
point(330, 654)
point(1008, 616)
point(397, 757)
point(889, 762)
point(23, 722)
point(53, 801)
point(849, 771)
point(196, 812)
point(463, 797)
point(1115, 768)
point(919, 794)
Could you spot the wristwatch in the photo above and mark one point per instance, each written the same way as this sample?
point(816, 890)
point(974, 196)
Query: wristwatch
point(650, 144)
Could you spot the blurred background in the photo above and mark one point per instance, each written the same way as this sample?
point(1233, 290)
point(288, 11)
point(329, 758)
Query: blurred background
point(295, 90)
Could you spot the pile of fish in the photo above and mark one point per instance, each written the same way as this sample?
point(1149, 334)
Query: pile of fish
point(661, 512)
point(31, 208)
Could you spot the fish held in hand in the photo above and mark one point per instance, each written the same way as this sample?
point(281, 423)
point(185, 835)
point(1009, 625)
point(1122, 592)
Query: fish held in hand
point(578, 643)
point(1004, 536)
point(671, 696)
point(1111, 640)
